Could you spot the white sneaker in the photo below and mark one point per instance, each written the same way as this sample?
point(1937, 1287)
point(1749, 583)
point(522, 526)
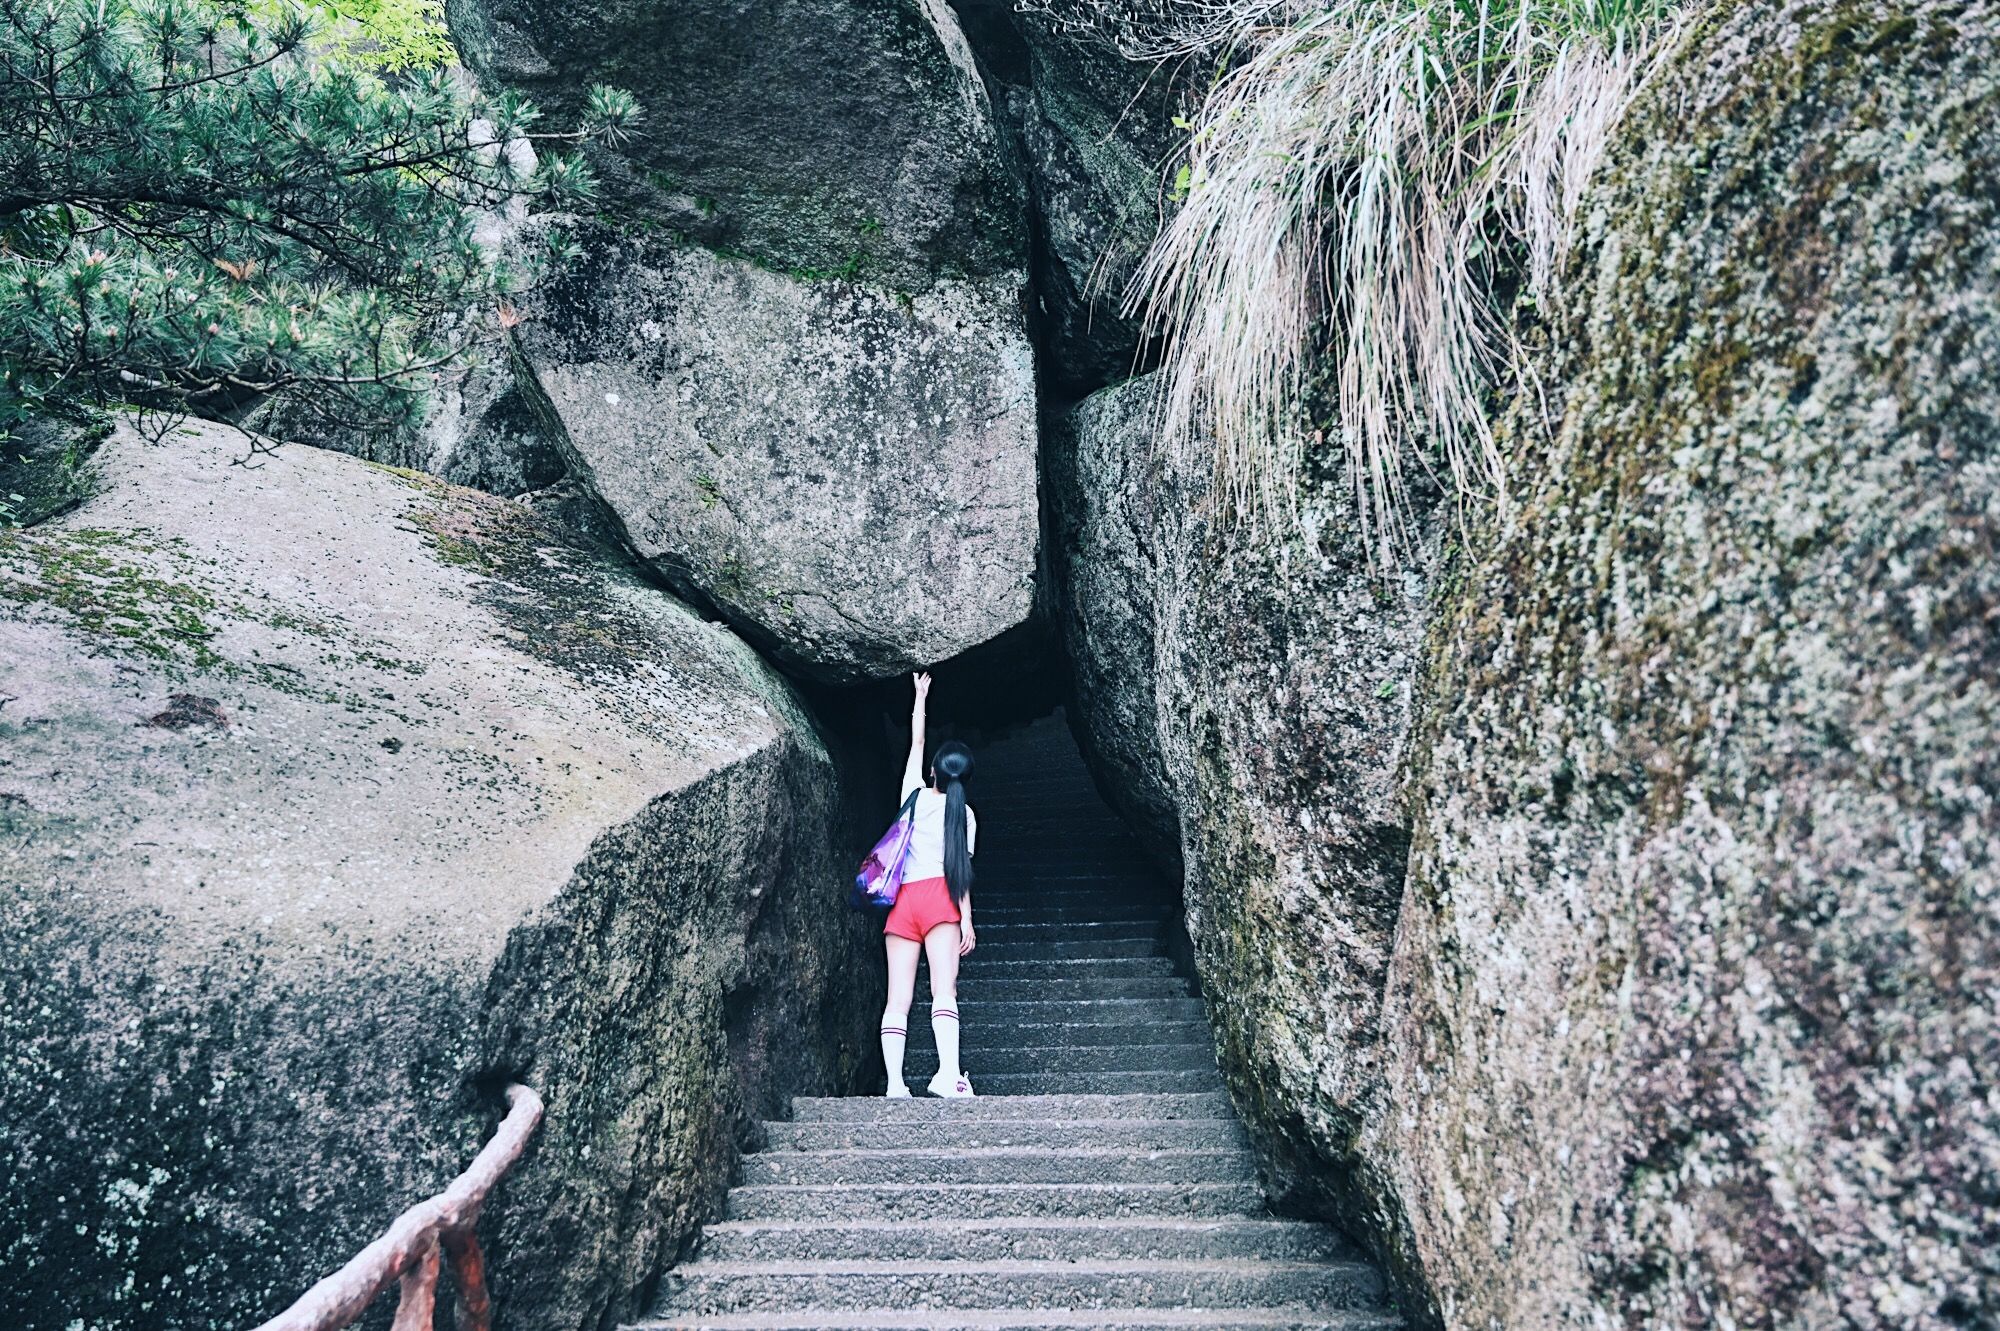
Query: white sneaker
point(897, 1093)
point(958, 1090)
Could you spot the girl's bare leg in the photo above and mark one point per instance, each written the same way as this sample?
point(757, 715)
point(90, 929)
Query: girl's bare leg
point(903, 954)
point(941, 946)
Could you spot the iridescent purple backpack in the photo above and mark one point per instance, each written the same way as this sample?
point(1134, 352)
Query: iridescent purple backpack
point(881, 876)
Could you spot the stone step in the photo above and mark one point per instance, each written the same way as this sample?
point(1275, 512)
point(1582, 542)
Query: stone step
point(1031, 1239)
point(990, 1061)
point(706, 1287)
point(1031, 834)
point(1046, 918)
point(996, 944)
point(1032, 769)
point(1032, 1319)
point(1062, 968)
point(1097, 1083)
point(1128, 884)
point(998, 1164)
point(1054, 918)
point(1003, 873)
point(1091, 1134)
point(985, 1035)
point(988, 1011)
point(995, 862)
point(927, 1201)
point(1131, 884)
point(974, 989)
point(1015, 810)
point(1060, 920)
point(1038, 834)
point(1088, 1108)
point(1065, 907)
point(1065, 820)
point(1043, 843)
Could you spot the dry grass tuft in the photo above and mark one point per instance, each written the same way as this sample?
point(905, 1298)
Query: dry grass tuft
point(1355, 182)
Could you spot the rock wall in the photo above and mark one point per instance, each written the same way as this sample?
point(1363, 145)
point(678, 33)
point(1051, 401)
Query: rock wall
point(1096, 136)
point(1244, 697)
point(331, 798)
point(1682, 1014)
point(1115, 506)
point(1692, 1005)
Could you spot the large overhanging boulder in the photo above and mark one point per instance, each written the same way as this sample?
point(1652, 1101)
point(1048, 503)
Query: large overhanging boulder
point(845, 471)
point(1692, 1012)
point(331, 799)
point(793, 360)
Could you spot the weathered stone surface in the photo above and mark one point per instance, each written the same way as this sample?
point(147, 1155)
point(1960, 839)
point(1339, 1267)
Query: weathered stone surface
point(1111, 502)
point(1255, 689)
point(1097, 136)
point(481, 430)
point(848, 473)
point(826, 136)
point(1692, 1010)
point(478, 429)
point(331, 798)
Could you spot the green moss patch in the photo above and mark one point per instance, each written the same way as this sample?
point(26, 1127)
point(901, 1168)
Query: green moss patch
point(45, 470)
point(106, 583)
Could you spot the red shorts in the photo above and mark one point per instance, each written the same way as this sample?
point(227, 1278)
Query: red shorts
point(921, 907)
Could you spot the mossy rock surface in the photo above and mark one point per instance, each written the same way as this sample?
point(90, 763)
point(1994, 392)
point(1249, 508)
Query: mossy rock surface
point(1098, 145)
point(331, 799)
point(820, 136)
point(1244, 695)
point(1691, 1016)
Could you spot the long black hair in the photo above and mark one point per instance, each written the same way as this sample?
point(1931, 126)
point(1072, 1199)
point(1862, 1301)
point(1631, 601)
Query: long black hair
point(950, 765)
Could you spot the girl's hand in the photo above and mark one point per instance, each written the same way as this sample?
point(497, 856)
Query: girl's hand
point(967, 940)
point(922, 679)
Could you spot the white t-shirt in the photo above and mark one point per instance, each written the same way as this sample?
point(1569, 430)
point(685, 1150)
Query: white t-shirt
point(927, 839)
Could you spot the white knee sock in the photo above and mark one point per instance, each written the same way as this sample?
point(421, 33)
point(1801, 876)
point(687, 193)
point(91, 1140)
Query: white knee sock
point(893, 1040)
point(944, 1025)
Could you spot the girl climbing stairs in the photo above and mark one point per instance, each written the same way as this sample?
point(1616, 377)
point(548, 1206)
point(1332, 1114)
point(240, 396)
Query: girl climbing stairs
point(1100, 1179)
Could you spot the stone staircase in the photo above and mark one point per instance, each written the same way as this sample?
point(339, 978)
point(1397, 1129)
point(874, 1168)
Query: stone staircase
point(1101, 1178)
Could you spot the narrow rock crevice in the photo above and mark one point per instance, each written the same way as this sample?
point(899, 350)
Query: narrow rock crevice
point(1100, 1179)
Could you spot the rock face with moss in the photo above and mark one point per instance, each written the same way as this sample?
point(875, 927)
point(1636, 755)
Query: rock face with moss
point(820, 135)
point(1692, 1008)
point(1246, 696)
point(1685, 1014)
point(1096, 134)
point(333, 798)
point(847, 473)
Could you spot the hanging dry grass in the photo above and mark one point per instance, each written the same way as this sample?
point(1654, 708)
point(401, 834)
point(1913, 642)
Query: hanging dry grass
point(1353, 184)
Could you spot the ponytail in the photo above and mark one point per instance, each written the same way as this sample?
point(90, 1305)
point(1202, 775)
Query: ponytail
point(952, 765)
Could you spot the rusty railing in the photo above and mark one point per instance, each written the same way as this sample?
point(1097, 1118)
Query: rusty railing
point(415, 1248)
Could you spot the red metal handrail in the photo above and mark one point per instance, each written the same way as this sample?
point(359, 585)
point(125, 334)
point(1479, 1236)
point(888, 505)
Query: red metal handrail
point(414, 1248)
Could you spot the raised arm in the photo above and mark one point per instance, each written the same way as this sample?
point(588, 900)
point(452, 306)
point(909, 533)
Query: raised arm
point(913, 770)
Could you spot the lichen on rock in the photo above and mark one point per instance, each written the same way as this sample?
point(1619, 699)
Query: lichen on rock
point(1244, 696)
point(1691, 1009)
point(331, 798)
point(830, 136)
point(1097, 133)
